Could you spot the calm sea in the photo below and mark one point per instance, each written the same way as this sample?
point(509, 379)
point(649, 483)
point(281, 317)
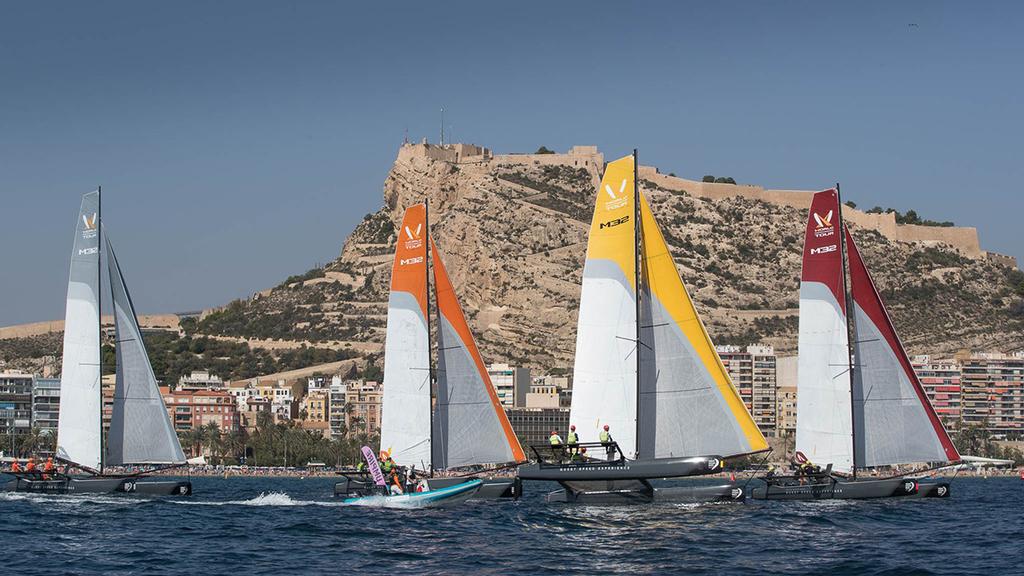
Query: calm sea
point(274, 526)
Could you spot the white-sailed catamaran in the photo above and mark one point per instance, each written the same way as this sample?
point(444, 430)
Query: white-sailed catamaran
point(645, 368)
point(465, 425)
point(140, 433)
point(859, 401)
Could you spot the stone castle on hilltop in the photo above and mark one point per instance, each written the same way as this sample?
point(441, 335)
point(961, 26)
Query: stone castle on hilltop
point(963, 239)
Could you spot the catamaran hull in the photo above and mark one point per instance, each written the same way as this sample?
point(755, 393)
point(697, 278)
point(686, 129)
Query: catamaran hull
point(933, 489)
point(442, 498)
point(100, 485)
point(838, 489)
point(613, 495)
point(491, 489)
point(628, 470)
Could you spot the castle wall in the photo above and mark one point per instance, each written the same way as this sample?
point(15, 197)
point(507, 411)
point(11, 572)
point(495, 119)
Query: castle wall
point(963, 239)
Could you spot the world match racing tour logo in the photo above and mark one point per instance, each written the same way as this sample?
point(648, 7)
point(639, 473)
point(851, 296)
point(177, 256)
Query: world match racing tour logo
point(412, 242)
point(823, 228)
point(618, 200)
point(89, 230)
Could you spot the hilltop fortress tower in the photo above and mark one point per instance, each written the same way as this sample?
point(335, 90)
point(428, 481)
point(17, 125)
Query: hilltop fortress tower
point(964, 240)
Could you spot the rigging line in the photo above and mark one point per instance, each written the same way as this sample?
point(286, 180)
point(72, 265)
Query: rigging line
point(635, 341)
point(452, 348)
point(678, 390)
point(754, 472)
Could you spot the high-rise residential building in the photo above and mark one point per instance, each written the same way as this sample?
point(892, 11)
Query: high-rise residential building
point(337, 407)
point(511, 383)
point(992, 393)
point(15, 409)
point(362, 406)
point(752, 371)
point(785, 396)
point(46, 404)
point(941, 382)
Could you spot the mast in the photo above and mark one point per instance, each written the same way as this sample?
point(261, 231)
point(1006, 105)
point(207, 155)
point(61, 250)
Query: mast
point(99, 307)
point(638, 249)
point(850, 329)
point(430, 364)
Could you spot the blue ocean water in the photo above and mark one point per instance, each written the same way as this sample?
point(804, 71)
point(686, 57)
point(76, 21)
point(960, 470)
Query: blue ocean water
point(275, 525)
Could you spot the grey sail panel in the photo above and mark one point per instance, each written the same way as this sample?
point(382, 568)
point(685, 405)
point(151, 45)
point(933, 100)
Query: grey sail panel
point(687, 405)
point(79, 425)
point(466, 432)
point(140, 428)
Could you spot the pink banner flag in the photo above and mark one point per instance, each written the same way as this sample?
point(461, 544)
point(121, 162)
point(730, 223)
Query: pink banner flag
point(371, 461)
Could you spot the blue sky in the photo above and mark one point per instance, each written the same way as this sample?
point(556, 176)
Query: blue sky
point(240, 142)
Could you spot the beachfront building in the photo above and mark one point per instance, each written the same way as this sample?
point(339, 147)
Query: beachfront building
point(545, 392)
point(511, 383)
point(753, 373)
point(992, 393)
point(362, 406)
point(45, 404)
point(15, 409)
point(193, 409)
point(337, 407)
point(534, 425)
point(785, 396)
point(941, 380)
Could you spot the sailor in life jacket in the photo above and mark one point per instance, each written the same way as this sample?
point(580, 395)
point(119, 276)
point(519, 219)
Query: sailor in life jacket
point(555, 439)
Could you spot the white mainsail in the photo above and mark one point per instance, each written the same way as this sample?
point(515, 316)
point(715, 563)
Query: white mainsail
point(79, 432)
point(824, 422)
point(406, 407)
point(605, 369)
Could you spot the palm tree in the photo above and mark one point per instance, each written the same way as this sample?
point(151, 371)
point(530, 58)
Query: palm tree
point(213, 440)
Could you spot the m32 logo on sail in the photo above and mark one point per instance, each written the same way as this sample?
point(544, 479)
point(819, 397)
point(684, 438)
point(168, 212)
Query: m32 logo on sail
point(89, 230)
point(618, 199)
point(413, 240)
point(824, 249)
point(823, 225)
point(407, 261)
point(612, 223)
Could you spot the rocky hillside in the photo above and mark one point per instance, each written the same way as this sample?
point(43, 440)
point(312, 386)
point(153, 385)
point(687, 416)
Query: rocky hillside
point(513, 235)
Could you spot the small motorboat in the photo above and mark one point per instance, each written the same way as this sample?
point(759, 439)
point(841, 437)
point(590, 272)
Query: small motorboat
point(440, 498)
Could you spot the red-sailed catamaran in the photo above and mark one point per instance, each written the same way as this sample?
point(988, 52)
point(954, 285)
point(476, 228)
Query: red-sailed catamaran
point(859, 403)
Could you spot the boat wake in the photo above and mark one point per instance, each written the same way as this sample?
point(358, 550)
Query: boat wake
point(264, 499)
point(387, 502)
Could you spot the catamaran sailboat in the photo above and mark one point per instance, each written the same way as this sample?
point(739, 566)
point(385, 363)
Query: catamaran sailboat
point(140, 428)
point(465, 426)
point(859, 401)
point(645, 367)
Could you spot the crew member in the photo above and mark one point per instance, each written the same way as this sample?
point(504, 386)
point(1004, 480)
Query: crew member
point(579, 456)
point(361, 466)
point(607, 442)
point(48, 468)
point(573, 440)
point(31, 466)
point(556, 445)
point(16, 466)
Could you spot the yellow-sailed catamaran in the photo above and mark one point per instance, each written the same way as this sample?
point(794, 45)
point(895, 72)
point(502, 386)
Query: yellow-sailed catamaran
point(651, 398)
